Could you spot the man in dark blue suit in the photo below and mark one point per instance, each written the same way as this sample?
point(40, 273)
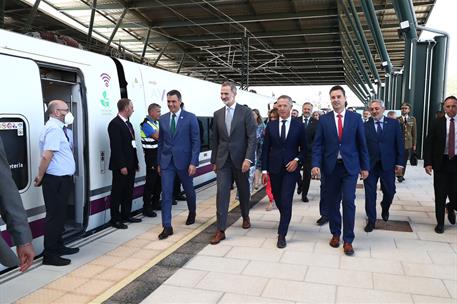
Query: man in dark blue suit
point(340, 151)
point(385, 148)
point(284, 148)
point(179, 147)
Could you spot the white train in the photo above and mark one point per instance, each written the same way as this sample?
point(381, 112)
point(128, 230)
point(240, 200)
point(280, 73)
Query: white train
point(34, 72)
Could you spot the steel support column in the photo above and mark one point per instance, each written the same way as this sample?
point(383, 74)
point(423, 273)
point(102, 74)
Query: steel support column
point(146, 41)
point(113, 33)
point(161, 53)
point(32, 15)
point(180, 63)
point(2, 14)
point(438, 76)
point(91, 23)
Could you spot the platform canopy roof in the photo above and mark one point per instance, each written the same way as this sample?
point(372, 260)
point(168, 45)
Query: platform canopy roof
point(251, 42)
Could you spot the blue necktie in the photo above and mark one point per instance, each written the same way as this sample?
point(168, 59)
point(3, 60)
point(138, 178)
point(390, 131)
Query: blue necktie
point(378, 128)
point(283, 130)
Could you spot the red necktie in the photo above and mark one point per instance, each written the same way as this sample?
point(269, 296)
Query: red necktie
point(451, 139)
point(340, 127)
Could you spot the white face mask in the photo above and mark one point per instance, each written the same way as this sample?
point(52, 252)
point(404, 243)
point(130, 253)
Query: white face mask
point(68, 119)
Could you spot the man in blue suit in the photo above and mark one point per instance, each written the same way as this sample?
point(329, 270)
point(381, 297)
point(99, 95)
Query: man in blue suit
point(284, 148)
point(385, 148)
point(179, 147)
point(340, 151)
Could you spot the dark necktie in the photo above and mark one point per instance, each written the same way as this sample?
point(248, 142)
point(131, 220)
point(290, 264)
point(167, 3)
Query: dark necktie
point(306, 122)
point(283, 130)
point(65, 132)
point(129, 125)
point(378, 128)
point(451, 139)
point(340, 127)
point(173, 124)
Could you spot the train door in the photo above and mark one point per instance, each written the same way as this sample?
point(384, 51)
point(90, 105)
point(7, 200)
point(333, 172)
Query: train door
point(66, 84)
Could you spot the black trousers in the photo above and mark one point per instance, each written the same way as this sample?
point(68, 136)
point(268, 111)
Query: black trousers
point(406, 155)
point(121, 195)
point(306, 177)
point(153, 186)
point(445, 186)
point(56, 191)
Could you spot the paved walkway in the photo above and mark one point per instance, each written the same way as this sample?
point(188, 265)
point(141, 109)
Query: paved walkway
point(388, 267)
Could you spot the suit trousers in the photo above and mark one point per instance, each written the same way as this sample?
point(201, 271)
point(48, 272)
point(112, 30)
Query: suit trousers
point(387, 179)
point(445, 186)
point(406, 155)
point(306, 177)
point(283, 186)
point(168, 176)
point(121, 195)
point(341, 189)
point(152, 187)
point(56, 191)
point(225, 177)
point(323, 207)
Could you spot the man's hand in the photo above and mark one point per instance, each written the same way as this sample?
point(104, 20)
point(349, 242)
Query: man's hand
point(364, 174)
point(192, 170)
point(158, 170)
point(214, 167)
point(38, 181)
point(291, 166)
point(428, 169)
point(26, 254)
point(245, 166)
point(398, 170)
point(124, 171)
point(265, 178)
point(315, 172)
point(414, 148)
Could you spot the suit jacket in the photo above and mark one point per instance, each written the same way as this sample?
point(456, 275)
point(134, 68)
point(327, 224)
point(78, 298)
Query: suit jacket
point(120, 141)
point(409, 131)
point(388, 148)
point(353, 147)
point(12, 213)
point(276, 153)
point(434, 145)
point(310, 131)
point(184, 147)
point(240, 144)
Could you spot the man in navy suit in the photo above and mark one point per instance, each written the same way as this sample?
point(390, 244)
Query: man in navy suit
point(340, 151)
point(179, 147)
point(284, 148)
point(385, 148)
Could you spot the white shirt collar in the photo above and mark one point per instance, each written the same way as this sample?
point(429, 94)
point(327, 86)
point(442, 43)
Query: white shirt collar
point(287, 119)
point(381, 119)
point(177, 113)
point(122, 117)
point(449, 118)
point(56, 121)
point(232, 106)
point(342, 113)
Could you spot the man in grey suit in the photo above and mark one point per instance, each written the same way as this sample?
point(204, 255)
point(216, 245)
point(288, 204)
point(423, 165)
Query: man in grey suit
point(14, 215)
point(234, 143)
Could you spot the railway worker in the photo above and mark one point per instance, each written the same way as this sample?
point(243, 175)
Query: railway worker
point(385, 148)
point(13, 213)
point(408, 124)
point(179, 149)
point(341, 155)
point(150, 140)
point(234, 144)
point(123, 163)
point(55, 175)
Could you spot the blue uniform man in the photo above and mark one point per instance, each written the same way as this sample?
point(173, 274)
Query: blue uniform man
point(385, 149)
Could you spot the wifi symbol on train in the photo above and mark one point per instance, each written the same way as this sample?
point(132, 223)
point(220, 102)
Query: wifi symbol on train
point(106, 78)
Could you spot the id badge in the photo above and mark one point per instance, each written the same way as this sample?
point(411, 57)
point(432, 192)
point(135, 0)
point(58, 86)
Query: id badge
point(133, 144)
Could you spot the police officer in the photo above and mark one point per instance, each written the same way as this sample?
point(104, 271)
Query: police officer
point(149, 137)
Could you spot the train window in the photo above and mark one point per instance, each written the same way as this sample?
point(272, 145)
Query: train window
point(13, 131)
point(205, 133)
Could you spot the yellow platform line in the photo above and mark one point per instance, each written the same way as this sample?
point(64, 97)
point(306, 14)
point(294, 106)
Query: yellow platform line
point(127, 280)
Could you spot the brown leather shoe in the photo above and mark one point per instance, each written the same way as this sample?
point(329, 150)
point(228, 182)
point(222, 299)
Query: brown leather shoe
point(218, 237)
point(348, 250)
point(246, 223)
point(335, 241)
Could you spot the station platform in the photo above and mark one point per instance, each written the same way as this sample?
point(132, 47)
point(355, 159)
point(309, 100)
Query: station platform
point(133, 266)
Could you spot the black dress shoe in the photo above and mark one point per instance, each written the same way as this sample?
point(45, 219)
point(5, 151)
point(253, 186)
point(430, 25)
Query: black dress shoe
point(299, 190)
point(322, 221)
point(190, 218)
point(55, 260)
point(180, 197)
point(167, 231)
point(68, 250)
point(450, 213)
point(304, 199)
point(369, 227)
point(133, 220)
point(281, 242)
point(149, 213)
point(119, 225)
point(385, 214)
point(400, 179)
point(439, 229)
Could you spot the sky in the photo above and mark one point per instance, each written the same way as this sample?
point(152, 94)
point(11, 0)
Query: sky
point(442, 18)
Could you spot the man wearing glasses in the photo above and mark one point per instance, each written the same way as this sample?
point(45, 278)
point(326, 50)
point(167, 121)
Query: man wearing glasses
point(408, 125)
point(55, 174)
